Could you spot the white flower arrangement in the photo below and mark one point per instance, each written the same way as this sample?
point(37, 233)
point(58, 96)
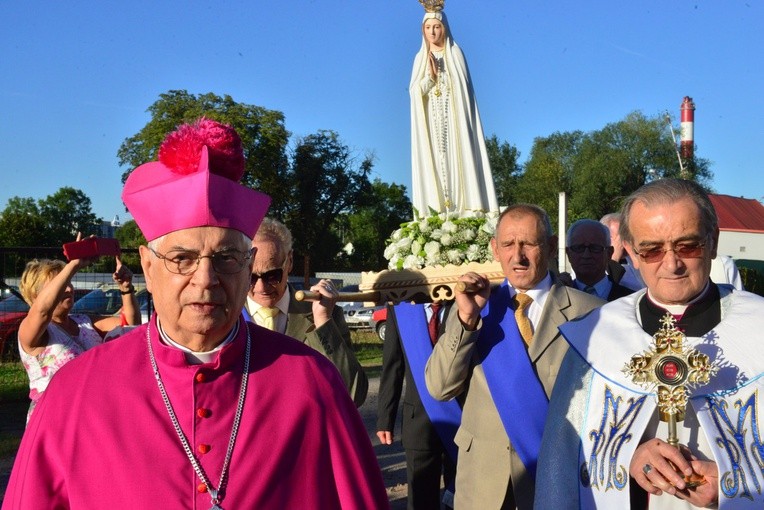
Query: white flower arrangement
point(441, 239)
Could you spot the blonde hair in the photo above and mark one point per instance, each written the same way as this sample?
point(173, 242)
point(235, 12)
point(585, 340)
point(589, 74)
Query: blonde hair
point(36, 274)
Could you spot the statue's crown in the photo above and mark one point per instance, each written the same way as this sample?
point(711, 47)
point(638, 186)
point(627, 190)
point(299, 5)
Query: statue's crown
point(432, 5)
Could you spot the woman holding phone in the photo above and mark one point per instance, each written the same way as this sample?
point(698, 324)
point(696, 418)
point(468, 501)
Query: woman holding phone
point(49, 336)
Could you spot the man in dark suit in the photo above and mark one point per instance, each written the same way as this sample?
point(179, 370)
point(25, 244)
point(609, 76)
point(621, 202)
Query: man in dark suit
point(319, 324)
point(589, 250)
point(411, 332)
point(501, 352)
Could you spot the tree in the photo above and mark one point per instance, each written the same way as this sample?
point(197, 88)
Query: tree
point(384, 209)
point(130, 236)
point(51, 221)
point(549, 170)
point(597, 170)
point(263, 135)
point(67, 212)
point(325, 182)
point(505, 168)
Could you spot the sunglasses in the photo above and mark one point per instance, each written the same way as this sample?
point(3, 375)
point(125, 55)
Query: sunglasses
point(272, 277)
point(681, 250)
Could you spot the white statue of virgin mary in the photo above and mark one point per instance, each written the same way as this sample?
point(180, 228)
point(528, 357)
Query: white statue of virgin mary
point(450, 168)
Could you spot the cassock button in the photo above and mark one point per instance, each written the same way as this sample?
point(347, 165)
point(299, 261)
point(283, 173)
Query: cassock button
point(203, 448)
point(203, 413)
point(200, 377)
point(202, 487)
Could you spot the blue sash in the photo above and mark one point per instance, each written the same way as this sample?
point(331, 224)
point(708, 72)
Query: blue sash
point(515, 388)
point(415, 339)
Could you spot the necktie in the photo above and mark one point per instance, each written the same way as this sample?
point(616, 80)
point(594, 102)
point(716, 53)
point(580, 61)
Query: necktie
point(268, 317)
point(590, 290)
point(522, 301)
point(432, 326)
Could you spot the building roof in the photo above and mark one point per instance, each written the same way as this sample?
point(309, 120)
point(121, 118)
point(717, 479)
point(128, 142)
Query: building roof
point(738, 214)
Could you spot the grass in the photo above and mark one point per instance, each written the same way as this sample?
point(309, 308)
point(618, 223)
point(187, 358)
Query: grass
point(368, 349)
point(14, 384)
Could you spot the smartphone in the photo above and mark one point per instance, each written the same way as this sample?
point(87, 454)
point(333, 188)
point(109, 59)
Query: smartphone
point(91, 247)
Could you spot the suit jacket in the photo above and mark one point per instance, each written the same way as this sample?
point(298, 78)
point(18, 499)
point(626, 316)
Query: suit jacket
point(487, 461)
point(417, 432)
point(618, 291)
point(332, 340)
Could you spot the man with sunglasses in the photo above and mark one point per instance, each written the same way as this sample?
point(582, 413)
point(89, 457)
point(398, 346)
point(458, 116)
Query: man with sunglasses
point(589, 249)
point(604, 441)
point(318, 324)
point(198, 408)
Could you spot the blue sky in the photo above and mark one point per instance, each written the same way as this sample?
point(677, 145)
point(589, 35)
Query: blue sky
point(78, 76)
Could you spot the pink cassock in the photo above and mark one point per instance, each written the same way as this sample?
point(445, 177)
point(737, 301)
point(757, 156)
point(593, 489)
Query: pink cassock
point(101, 437)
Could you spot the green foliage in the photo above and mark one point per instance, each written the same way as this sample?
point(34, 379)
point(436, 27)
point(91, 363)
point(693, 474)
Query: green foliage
point(130, 236)
point(504, 167)
point(51, 221)
point(369, 226)
point(597, 170)
point(753, 280)
point(326, 181)
point(263, 135)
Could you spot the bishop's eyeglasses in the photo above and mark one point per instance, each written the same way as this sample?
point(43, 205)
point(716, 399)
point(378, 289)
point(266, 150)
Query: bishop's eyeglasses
point(186, 262)
point(683, 250)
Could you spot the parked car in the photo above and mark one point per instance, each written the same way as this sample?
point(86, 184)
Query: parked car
point(12, 312)
point(108, 301)
point(358, 316)
point(379, 321)
point(13, 309)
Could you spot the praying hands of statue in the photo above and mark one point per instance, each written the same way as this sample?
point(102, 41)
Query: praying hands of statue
point(433, 67)
point(659, 467)
point(323, 307)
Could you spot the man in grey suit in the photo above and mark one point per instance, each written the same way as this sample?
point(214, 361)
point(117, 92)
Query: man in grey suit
point(319, 324)
point(501, 351)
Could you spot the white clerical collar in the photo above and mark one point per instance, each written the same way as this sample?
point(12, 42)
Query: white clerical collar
point(678, 309)
point(197, 358)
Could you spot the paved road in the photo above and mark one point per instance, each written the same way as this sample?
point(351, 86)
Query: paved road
point(391, 458)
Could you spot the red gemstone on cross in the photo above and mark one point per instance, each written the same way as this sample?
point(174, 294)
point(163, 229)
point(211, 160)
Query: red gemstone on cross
point(670, 370)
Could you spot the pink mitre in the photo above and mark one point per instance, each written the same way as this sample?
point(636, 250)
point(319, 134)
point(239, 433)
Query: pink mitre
point(195, 183)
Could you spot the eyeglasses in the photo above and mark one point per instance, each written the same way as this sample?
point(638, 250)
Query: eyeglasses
point(594, 249)
point(186, 262)
point(272, 277)
point(690, 250)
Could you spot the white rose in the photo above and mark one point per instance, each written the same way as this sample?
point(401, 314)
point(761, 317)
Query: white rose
point(403, 244)
point(424, 226)
point(416, 247)
point(468, 234)
point(446, 239)
point(412, 262)
point(432, 252)
point(473, 252)
point(455, 256)
point(449, 226)
point(436, 234)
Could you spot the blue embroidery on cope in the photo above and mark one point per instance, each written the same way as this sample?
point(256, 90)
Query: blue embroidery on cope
point(741, 441)
point(603, 471)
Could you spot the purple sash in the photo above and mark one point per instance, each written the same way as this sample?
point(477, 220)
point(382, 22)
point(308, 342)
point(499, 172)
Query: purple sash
point(515, 388)
point(415, 339)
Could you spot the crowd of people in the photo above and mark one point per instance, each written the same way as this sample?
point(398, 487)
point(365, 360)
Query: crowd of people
point(236, 395)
